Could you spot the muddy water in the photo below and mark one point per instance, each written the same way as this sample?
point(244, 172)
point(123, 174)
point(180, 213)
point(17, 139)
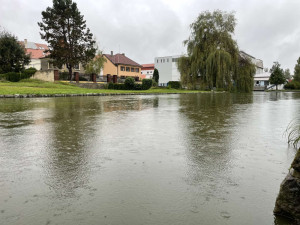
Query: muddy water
point(167, 159)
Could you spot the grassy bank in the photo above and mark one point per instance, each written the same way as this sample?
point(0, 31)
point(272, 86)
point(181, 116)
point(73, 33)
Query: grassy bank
point(48, 88)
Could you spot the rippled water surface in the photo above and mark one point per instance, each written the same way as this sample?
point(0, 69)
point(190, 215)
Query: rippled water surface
point(164, 159)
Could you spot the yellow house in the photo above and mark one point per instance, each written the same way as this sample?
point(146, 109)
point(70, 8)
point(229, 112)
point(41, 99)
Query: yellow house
point(121, 66)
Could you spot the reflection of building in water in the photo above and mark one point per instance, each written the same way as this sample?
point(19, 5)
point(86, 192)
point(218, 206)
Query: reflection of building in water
point(125, 104)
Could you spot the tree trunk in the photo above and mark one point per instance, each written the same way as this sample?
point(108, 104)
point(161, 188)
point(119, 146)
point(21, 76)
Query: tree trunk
point(70, 73)
point(276, 87)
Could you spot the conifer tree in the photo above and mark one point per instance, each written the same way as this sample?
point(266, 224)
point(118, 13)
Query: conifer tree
point(277, 75)
point(70, 41)
point(297, 71)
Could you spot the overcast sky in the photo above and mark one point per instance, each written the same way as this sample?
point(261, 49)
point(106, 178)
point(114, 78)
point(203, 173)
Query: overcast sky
point(144, 29)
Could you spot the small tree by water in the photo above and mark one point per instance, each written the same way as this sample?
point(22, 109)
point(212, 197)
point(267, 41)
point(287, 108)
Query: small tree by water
point(277, 75)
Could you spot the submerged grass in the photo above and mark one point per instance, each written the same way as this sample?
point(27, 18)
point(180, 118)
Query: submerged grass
point(293, 133)
point(31, 86)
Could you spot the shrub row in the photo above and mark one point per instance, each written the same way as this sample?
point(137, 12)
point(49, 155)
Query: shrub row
point(130, 84)
point(174, 84)
point(15, 77)
point(293, 85)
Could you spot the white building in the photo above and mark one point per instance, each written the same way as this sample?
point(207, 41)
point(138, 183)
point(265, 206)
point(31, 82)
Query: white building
point(147, 70)
point(261, 82)
point(167, 68)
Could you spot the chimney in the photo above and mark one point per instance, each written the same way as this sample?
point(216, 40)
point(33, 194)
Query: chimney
point(112, 53)
point(123, 54)
point(25, 43)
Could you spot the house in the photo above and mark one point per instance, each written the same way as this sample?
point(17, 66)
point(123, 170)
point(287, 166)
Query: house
point(147, 70)
point(167, 68)
point(259, 65)
point(37, 54)
point(40, 60)
point(261, 82)
point(121, 66)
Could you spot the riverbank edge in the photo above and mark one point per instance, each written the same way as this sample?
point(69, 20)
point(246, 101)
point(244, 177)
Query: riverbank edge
point(89, 94)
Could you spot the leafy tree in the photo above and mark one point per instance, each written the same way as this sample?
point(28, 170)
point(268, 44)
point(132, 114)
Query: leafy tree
point(12, 55)
point(277, 75)
point(70, 41)
point(212, 55)
point(156, 75)
point(95, 65)
point(287, 74)
point(297, 71)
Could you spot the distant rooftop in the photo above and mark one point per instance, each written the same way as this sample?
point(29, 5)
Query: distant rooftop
point(36, 50)
point(121, 59)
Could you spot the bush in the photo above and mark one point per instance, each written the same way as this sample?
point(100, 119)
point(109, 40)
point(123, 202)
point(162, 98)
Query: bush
point(129, 83)
point(138, 87)
point(116, 86)
point(154, 83)
point(29, 72)
point(292, 85)
point(174, 84)
point(146, 84)
point(64, 76)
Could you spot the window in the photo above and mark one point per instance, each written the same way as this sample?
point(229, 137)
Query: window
point(147, 72)
point(157, 60)
point(167, 60)
point(76, 67)
point(150, 71)
point(132, 69)
point(161, 60)
point(164, 60)
point(122, 68)
point(174, 59)
point(127, 69)
point(137, 70)
point(50, 66)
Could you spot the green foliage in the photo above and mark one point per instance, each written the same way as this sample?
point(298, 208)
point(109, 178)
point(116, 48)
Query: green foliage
point(12, 55)
point(293, 85)
point(293, 133)
point(154, 83)
point(117, 86)
point(146, 84)
point(95, 65)
point(287, 74)
point(156, 75)
point(129, 83)
point(297, 71)
point(139, 87)
point(16, 77)
point(277, 75)
point(70, 41)
point(213, 57)
point(64, 76)
point(244, 76)
point(174, 84)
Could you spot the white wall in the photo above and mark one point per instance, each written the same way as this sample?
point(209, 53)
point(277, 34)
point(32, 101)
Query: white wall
point(148, 73)
point(35, 63)
point(167, 69)
point(45, 75)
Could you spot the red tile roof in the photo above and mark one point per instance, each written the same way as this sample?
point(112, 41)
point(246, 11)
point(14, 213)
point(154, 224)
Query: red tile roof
point(36, 53)
point(121, 59)
point(36, 50)
point(147, 66)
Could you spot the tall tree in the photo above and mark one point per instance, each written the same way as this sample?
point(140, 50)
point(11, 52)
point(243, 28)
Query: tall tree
point(156, 75)
point(12, 55)
point(287, 74)
point(212, 54)
point(277, 75)
point(297, 71)
point(70, 41)
point(95, 65)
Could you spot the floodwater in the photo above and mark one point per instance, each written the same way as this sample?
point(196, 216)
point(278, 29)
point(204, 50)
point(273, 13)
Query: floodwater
point(209, 159)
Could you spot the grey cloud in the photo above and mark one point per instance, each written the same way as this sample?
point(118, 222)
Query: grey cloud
point(145, 29)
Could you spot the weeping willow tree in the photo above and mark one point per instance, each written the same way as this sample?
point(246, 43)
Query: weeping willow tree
point(212, 54)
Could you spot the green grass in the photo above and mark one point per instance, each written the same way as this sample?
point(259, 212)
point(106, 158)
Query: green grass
point(49, 88)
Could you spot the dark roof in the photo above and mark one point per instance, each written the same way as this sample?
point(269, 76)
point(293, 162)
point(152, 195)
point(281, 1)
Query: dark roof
point(121, 59)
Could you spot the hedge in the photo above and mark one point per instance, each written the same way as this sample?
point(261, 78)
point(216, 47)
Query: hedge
point(146, 84)
point(174, 84)
point(292, 85)
point(15, 77)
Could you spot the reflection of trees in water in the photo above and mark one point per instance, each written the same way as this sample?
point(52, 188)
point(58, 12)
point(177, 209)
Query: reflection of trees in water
point(210, 118)
point(72, 131)
point(74, 125)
